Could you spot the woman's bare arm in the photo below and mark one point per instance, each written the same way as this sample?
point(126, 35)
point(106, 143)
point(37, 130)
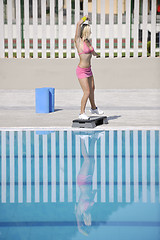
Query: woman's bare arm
point(95, 54)
point(78, 29)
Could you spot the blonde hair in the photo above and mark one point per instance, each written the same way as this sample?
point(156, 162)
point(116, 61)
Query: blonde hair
point(85, 31)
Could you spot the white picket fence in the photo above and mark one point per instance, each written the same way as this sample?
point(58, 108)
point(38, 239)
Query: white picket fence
point(52, 35)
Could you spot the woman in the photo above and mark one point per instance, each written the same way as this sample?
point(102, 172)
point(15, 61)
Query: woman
point(83, 71)
point(84, 180)
point(83, 209)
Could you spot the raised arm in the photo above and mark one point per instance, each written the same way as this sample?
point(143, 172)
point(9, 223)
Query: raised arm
point(78, 28)
point(80, 223)
point(78, 31)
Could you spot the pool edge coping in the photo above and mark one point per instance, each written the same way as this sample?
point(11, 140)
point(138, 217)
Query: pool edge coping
point(80, 129)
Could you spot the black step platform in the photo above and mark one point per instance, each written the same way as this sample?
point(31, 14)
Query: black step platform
point(90, 123)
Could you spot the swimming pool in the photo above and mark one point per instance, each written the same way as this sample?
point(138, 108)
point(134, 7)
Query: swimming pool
point(80, 184)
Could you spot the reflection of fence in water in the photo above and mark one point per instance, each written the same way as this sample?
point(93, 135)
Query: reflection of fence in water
point(43, 168)
point(113, 35)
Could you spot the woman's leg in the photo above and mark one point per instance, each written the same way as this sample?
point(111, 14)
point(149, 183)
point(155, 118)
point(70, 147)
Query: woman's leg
point(86, 92)
point(87, 167)
point(92, 88)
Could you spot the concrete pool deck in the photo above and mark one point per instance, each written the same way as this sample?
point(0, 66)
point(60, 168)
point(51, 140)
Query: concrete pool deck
point(124, 108)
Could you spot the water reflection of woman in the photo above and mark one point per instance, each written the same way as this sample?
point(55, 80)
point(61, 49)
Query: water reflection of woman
point(84, 181)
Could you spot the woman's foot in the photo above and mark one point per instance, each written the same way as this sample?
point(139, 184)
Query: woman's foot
point(83, 116)
point(96, 111)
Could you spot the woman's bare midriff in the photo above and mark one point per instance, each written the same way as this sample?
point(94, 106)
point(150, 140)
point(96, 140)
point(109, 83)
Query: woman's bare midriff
point(85, 60)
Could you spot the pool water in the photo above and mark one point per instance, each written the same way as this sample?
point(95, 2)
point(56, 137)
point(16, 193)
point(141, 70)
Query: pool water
point(80, 185)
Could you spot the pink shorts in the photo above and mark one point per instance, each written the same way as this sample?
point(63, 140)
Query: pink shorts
point(84, 180)
point(83, 72)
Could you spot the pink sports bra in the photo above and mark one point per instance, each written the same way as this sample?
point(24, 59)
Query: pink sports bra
point(86, 49)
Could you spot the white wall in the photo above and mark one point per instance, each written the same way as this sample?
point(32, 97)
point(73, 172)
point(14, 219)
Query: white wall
point(118, 73)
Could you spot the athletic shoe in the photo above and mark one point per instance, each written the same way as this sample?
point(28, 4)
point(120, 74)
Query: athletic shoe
point(96, 111)
point(83, 116)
